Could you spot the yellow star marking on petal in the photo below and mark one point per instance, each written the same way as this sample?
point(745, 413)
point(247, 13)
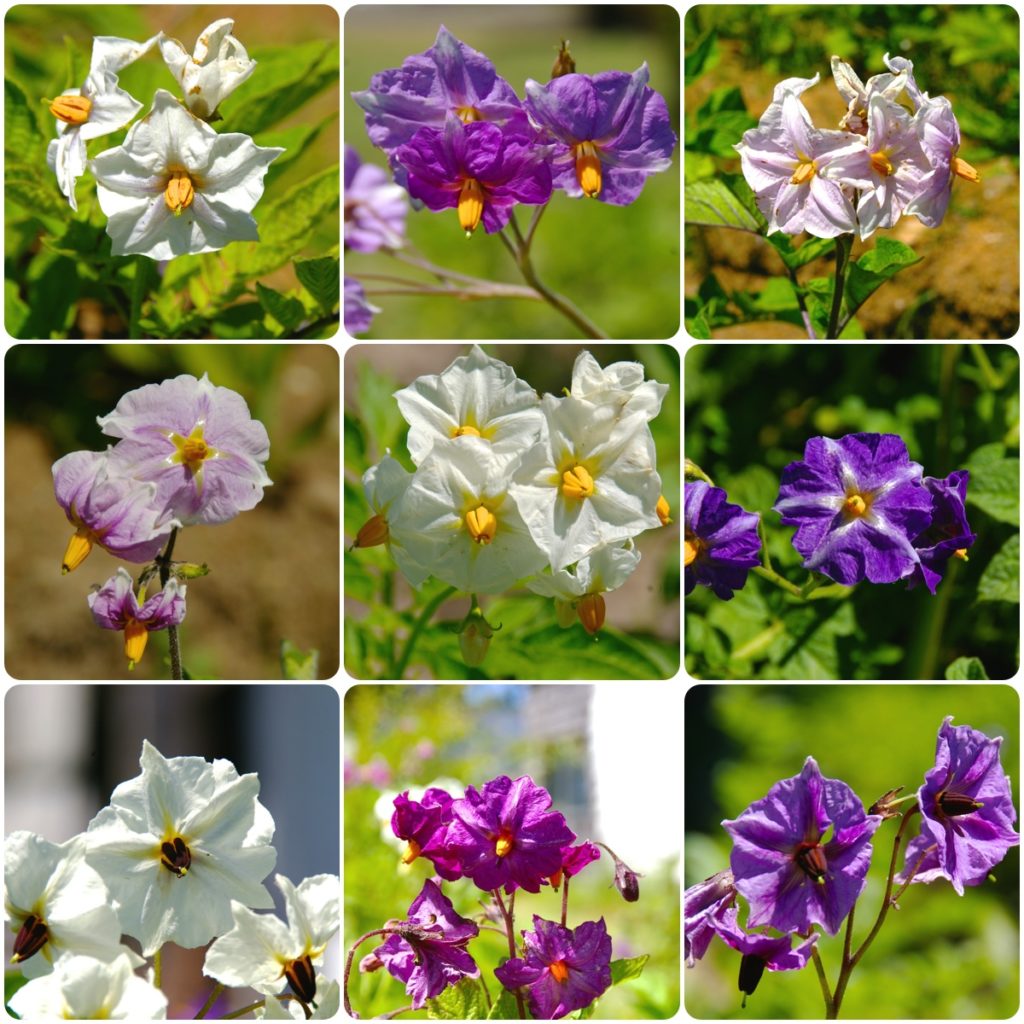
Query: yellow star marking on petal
point(588, 168)
point(193, 452)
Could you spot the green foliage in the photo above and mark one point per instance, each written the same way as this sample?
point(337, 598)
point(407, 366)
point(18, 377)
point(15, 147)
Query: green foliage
point(966, 668)
point(464, 1001)
point(995, 483)
point(625, 970)
point(874, 268)
point(320, 277)
point(1001, 579)
point(299, 664)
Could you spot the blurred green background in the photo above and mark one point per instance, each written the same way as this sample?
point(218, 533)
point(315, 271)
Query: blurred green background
point(273, 569)
point(618, 264)
point(640, 638)
point(968, 53)
point(402, 737)
point(749, 412)
point(942, 956)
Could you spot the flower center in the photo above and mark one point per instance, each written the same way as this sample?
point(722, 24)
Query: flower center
point(31, 938)
point(179, 193)
point(193, 452)
point(302, 978)
point(71, 109)
point(482, 524)
point(664, 511)
point(373, 532)
point(471, 205)
point(577, 483)
point(857, 505)
point(961, 553)
point(412, 851)
point(953, 805)
point(78, 548)
point(591, 612)
point(804, 172)
point(176, 856)
point(692, 547)
point(559, 971)
point(466, 431)
point(503, 844)
point(964, 170)
point(468, 114)
point(135, 637)
point(881, 163)
point(810, 858)
point(588, 168)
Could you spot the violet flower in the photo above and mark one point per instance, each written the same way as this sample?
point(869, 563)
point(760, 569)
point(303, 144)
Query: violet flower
point(430, 954)
point(562, 970)
point(700, 904)
point(507, 834)
point(115, 606)
point(574, 860)
point(358, 311)
point(721, 542)
point(612, 131)
point(375, 207)
point(784, 866)
point(949, 535)
point(858, 502)
point(424, 825)
point(967, 812)
point(478, 169)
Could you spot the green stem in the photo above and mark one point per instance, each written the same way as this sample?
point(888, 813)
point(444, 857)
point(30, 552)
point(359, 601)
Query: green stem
point(173, 642)
point(158, 967)
point(819, 967)
point(244, 1010)
point(764, 545)
point(418, 627)
point(565, 898)
point(992, 379)
point(844, 243)
point(773, 577)
point(510, 932)
point(812, 584)
point(217, 989)
point(140, 284)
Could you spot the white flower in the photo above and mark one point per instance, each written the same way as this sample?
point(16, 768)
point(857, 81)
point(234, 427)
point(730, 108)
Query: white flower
point(98, 108)
point(178, 843)
point(591, 481)
point(217, 66)
point(458, 519)
point(83, 988)
point(56, 904)
point(618, 390)
point(175, 186)
point(328, 1004)
point(858, 96)
point(263, 953)
point(476, 396)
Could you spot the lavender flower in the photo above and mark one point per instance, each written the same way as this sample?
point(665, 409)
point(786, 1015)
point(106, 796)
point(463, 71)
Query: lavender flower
point(949, 535)
point(721, 542)
point(375, 208)
point(424, 826)
point(701, 902)
point(358, 311)
point(562, 970)
point(782, 864)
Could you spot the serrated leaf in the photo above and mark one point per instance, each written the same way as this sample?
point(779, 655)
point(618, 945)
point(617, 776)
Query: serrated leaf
point(1001, 579)
point(994, 485)
point(21, 130)
point(288, 312)
point(464, 1001)
point(35, 192)
point(624, 970)
point(713, 203)
point(320, 277)
point(966, 668)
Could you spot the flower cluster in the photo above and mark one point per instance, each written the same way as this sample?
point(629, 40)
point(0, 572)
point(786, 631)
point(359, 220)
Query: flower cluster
point(801, 854)
point(510, 487)
point(187, 452)
point(501, 837)
point(863, 511)
point(175, 185)
point(179, 855)
point(882, 162)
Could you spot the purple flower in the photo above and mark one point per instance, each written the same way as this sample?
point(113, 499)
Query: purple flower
point(430, 954)
point(858, 503)
point(574, 860)
point(612, 131)
point(115, 606)
point(782, 863)
point(196, 442)
point(424, 825)
point(700, 903)
point(721, 542)
point(967, 813)
point(116, 512)
point(448, 79)
point(358, 311)
point(562, 970)
point(507, 834)
point(478, 169)
point(375, 208)
point(949, 534)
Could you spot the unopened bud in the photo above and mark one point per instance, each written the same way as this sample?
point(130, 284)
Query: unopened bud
point(373, 532)
point(564, 64)
point(751, 969)
point(473, 642)
point(591, 612)
point(370, 963)
point(627, 881)
point(886, 805)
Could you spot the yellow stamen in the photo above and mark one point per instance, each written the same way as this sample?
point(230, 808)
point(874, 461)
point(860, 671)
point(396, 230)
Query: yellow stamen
point(78, 548)
point(135, 637)
point(179, 193)
point(71, 109)
point(961, 553)
point(577, 483)
point(481, 524)
point(855, 506)
point(465, 430)
point(588, 168)
point(559, 971)
point(692, 547)
point(503, 847)
point(468, 114)
point(804, 172)
point(373, 532)
point(412, 851)
point(471, 205)
point(663, 510)
point(881, 163)
point(591, 612)
point(964, 170)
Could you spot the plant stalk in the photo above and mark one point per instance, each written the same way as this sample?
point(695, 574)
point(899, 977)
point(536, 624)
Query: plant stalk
point(173, 643)
point(418, 627)
point(506, 913)
point(844, 243)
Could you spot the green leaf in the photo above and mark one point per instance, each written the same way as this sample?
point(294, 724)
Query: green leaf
point(320, 277)
point(703, 57)
point(504, 1007)
point(713, 203)
point(966, 668)
point(294, 141)
point(718, 132)
point(464, 1001)
point(36, 193)
point(625, 970)
point(16, 312)
point(995, 483)
point(21, 130)
point(286, 311)
point(699, 327)
point(298, 664)
point(1001, 579)
point(874, 268)
point(796, 258)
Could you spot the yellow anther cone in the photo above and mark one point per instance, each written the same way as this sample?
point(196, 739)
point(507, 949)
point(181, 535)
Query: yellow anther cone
point(78, 548)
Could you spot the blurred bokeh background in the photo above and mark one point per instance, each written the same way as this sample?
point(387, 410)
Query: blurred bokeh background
point(640, 638)
point(274, 574)
point(67, 747)
point(966, 52)
point(599, 751)
point(943, 956)
point(750, 409)
point(619, 264)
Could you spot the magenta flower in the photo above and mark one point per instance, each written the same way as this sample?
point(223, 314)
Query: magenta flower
point(430, 954)
point(424, 825)
point(115, 606)
point(721, 542)
point(196, 442)
point(784, 866)
point(358, 311)
point(478, 169)
point(949, 534)
point(574, 860)
point(507, 834)
point(612, 131)
point(700, 904)
point(561, 970)
point(375, 207)
point(116, 512)
point(858, 503)
point(967, 812)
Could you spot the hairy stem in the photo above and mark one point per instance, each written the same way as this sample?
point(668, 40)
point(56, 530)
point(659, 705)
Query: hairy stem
point(173, 643)
point(418, 627)
point(506, 913)
point(348, 964)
